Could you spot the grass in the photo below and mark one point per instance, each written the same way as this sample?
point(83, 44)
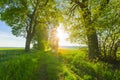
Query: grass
point(68, 64)
point(8, 54)
point(11, 48)
point(18, 65)
point(79, 67)
point(49, 67)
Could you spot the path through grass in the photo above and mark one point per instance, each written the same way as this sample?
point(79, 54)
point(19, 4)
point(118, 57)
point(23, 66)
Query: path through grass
point(49, 68)
point(35, 65)
point(68, 64)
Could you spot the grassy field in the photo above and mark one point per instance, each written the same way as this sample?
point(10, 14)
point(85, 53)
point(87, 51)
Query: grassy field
point(68, 64)
point(80, 67)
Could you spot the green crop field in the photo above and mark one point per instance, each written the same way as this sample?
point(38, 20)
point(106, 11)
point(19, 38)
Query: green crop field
point(67, 64)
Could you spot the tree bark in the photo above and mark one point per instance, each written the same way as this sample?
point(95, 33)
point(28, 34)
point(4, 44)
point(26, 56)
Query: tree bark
point(28, 41)
point(93, 48)
point(31, 29)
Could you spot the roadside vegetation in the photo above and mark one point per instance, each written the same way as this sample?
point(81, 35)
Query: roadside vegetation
point(80, 67)
point(68, 64)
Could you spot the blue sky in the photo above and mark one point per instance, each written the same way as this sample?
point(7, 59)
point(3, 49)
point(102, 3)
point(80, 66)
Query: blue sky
point(4, 27)
point(7, 39)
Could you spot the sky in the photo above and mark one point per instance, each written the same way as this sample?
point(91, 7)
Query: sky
point(9, 40)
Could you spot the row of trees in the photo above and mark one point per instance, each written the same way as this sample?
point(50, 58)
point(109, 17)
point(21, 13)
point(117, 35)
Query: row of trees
point(30, 19)
point(95, 22)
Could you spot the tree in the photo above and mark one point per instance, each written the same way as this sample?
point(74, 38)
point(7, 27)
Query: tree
point(24, 15)
point(50, 17)
point(54, 40)
point(40, 39)
point(84, 15)
point(98, 22)
point(90, 31)
point(108, 30)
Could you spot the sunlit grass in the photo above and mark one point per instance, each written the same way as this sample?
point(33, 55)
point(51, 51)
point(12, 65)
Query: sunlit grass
point(69, 64)
point(67, 51)
point(11, 48)
point(28, 66)
point(71, 50)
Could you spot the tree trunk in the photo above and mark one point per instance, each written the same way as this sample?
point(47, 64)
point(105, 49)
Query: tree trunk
point(117, 45)
point(28, 41)
point(41, 45)
point(93, 48)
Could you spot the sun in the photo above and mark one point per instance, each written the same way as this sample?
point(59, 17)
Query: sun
point(62, 35)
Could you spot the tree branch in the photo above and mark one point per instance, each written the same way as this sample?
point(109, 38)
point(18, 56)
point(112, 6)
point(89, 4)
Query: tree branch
point(81, 5)
point(46, 2)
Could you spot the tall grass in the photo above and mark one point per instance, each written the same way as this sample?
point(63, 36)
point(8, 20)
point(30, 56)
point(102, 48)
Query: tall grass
point(79, 67)
point(49, 69)
point(8, 54)
point(68, 64)
point(18, 65)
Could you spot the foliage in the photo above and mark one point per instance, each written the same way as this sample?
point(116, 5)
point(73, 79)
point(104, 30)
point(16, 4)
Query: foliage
point(40, 42)
point(108, 30)
point(81, 27)
point(25, 16)
point(96, 21)
point(14, 13)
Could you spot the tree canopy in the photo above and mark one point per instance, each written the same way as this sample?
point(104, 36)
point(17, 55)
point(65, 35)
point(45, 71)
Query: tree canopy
point(23, 16)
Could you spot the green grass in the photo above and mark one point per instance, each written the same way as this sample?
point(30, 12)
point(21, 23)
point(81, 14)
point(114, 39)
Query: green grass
point(10, 48)
point(68, 64)
point(49, 67)
point(8, 54)
point(79, 67)
point(18, 65)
